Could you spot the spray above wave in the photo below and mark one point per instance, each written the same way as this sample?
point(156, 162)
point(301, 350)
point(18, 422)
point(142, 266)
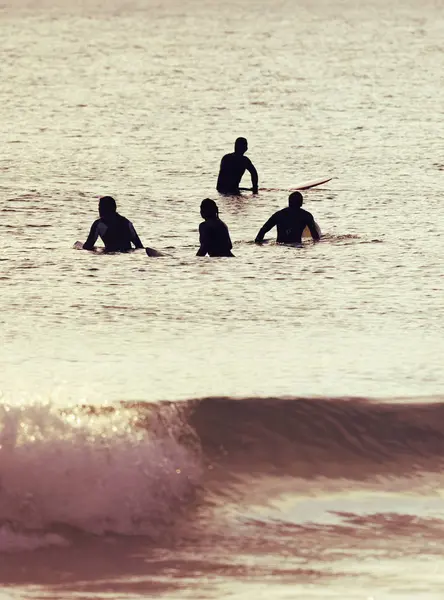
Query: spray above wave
point(95, 472)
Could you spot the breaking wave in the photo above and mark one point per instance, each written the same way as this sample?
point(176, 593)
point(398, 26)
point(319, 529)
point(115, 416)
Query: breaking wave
point(93, 471)
point(140, 468)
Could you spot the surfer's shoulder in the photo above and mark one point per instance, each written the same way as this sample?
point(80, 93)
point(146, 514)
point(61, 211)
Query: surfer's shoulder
point(227, 157)
point(98, 226)
point(307, 214)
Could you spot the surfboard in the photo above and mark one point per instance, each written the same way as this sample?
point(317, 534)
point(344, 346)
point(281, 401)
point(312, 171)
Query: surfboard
point(302, 186)
point(309, 184)
point(100, 250)
point(153, 252)
point(306, 233)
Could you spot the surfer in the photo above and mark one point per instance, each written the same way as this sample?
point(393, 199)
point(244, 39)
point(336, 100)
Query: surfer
point(232, 168)
point(290, 223)
point(213, 233)
point(116, 231)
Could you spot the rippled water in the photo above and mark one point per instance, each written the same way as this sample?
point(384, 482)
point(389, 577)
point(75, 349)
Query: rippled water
point(140, 100)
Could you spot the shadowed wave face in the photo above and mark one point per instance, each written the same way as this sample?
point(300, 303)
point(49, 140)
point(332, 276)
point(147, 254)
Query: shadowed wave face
point(338, 437)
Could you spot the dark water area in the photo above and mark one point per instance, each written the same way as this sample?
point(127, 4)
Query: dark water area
point(305, 436)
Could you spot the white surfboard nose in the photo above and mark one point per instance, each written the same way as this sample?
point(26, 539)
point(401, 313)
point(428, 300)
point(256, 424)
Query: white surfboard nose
point(309, 184)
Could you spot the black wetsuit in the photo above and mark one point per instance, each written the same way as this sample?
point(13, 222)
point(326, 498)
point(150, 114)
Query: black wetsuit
point(232, 168)
point(214, 238)
point(116, 232)
point(290, 223)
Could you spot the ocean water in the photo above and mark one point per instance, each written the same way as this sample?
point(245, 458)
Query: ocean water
point(267, 426)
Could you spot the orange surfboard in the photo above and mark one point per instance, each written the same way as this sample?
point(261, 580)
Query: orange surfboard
point(306, 233)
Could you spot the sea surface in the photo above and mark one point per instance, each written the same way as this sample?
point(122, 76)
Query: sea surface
point(269, 426)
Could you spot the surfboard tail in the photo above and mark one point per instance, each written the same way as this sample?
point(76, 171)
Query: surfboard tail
point(152, 252)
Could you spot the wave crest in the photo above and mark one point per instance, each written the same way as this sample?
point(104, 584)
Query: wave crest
point(330, 437)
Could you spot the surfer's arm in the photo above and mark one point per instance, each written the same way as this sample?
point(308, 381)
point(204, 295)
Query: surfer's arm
point(134, 237)
point(221, 183)
point(92, 237)
point(313, 229)
point(203, 250)
point(265, 228)
point(254, 176)
point(230, 243)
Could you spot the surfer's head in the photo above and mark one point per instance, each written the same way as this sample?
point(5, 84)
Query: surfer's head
point(107, 206)
point(295, 200)
point(240, 145)
point(208, 209)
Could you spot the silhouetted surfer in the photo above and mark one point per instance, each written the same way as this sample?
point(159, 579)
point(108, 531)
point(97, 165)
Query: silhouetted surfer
point(290, 223)
point(232, 168)
point(214, 236)
point(116, 231)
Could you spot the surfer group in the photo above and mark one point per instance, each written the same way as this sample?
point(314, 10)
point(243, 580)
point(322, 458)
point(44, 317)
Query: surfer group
point(119, 235)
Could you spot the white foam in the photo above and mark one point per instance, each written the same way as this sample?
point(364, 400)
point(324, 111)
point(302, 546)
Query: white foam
point(99, 473)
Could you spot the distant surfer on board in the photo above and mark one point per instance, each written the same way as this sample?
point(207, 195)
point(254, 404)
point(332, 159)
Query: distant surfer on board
point(232, 168)
point(290, 223)
point(213, 233)
point(116, 231)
